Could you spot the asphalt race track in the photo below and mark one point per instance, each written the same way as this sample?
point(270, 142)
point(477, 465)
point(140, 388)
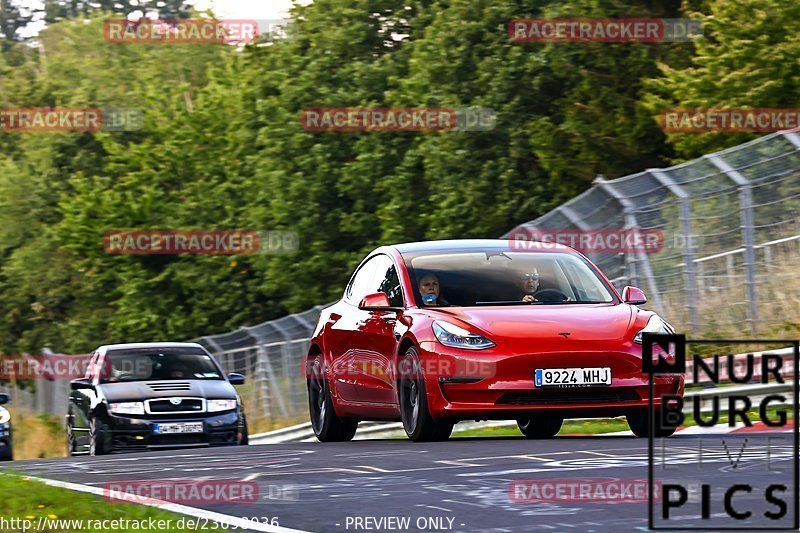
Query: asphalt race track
point(460, 485)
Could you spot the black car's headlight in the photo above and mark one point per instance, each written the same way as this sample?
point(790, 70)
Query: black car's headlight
point(5, 416)
point(656, 324)
point(458, 337)
point(127, 408)
point(214, 406)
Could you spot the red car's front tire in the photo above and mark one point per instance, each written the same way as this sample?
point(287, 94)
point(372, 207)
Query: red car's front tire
point(418, 423)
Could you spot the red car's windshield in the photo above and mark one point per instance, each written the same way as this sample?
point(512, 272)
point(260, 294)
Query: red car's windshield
point(506, 278)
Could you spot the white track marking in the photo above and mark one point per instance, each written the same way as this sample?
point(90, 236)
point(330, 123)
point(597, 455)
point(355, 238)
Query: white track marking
point(220, 518)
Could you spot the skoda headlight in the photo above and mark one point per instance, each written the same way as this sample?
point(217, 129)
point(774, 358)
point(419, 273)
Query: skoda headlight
point(220, 405)
point(456, 337)
point(127, 408)
point(5, 416)
point(656, 324)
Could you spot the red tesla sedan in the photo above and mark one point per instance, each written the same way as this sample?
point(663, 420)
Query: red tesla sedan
point(431, 333)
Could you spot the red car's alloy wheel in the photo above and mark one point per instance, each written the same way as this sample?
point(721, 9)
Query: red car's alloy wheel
point(328, 427)
point(417, 420)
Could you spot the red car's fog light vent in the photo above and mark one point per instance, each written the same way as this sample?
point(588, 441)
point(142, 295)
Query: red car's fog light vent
point(561, 396)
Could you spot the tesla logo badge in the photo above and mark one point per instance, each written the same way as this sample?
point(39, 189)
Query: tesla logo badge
point(175, 401)
point(565, 334)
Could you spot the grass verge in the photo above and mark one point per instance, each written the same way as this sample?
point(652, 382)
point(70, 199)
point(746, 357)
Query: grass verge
point(64, 511)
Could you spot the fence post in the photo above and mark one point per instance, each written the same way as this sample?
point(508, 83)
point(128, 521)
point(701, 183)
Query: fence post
point(768, 257)
point(792, 137)
point(746, 216)
point(270, 381)
point(688, 252)
point(215, 348)
point(287, 376)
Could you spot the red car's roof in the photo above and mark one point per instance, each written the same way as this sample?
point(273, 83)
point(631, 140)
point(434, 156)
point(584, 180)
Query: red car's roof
point(479, 245)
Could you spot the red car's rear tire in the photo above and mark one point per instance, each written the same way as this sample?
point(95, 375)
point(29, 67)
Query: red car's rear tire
point(418, 423)
point(328, 427)
point(540, 426)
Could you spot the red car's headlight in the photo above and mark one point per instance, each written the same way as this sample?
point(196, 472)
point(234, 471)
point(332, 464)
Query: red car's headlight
point(456, 337)
point(656, 324)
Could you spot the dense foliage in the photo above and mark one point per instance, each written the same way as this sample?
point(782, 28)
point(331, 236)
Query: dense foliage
point(222, 146)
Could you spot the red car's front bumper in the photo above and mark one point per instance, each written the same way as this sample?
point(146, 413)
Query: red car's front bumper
point(489, 384)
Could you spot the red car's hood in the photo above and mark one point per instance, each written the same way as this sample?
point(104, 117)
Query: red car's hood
point(584, 322)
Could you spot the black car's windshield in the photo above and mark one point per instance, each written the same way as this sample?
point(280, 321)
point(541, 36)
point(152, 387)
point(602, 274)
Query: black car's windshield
point(158, 364)
point(506, 278)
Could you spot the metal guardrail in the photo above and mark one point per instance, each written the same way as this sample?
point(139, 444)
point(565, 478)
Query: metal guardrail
point(304, 432)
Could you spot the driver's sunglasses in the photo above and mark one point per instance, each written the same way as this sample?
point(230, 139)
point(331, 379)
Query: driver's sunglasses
point(530, 277)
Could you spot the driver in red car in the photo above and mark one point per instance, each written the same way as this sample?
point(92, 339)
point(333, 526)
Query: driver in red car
point(528, 284)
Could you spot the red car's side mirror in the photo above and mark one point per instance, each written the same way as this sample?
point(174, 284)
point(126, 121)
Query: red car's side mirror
point(633, 296)
point(377, 301)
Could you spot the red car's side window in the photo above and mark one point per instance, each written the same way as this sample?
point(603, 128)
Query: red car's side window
point(387, 281)
point(376, 275)
point(361, 285)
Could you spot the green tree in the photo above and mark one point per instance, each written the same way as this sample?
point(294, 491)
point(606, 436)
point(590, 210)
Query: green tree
point(747, 58)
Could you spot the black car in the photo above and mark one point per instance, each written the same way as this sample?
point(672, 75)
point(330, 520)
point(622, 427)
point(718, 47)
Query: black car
point(6, 450)
point(153, 395)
